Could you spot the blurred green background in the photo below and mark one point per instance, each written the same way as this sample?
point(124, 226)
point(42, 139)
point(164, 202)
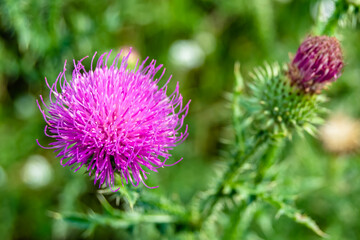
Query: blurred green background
point(198, 42)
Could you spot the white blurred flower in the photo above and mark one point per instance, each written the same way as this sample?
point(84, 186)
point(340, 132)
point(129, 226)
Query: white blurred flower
point(340, 134)
point(36, 172)
point(187, 54)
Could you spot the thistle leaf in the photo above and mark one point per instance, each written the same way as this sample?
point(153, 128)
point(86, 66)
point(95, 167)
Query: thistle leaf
point(125, 192)
point(294, 214)
point(79, 220)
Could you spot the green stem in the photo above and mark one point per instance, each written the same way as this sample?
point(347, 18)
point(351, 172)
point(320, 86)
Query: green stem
point(240, 220)
point(267, 160)
point(238, 228)
point(231, 173)
point(237, 111)
point(243, 153)
point(235, 221)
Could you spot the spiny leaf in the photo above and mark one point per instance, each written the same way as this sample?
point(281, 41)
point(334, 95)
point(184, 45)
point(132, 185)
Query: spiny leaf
point(79, 220)
point(107, 207)
point(294, 214)
point(125, 192)
point(130, 196)
point(163, 204)
point(121, 221)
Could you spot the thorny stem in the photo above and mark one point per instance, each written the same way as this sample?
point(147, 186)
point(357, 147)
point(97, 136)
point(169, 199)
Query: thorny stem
point(233, 231)
point(241, 156)
point(231, 173)
point(238, 225)
point(267, 160)
point(263, 138)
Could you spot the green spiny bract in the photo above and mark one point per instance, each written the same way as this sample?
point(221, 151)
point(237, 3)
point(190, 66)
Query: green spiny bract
point(278, 107)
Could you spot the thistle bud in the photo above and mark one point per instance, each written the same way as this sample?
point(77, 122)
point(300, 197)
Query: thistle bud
point(318, 61)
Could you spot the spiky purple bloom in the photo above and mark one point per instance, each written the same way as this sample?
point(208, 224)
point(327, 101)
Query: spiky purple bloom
point(318, 61)
point(114, 120)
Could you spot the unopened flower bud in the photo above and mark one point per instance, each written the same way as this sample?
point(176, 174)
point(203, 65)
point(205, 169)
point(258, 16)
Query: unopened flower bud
point(318, 61)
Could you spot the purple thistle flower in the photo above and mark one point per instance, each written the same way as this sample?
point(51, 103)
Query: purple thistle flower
point(318, 61)
point(114, 120)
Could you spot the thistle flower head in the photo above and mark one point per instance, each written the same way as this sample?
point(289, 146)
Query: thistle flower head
point(114, 120)
point(318, 61)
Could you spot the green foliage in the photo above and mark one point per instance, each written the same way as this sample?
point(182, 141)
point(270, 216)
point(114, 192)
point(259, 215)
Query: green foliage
point(345, 14)
point(352, 16)
point(37, 36)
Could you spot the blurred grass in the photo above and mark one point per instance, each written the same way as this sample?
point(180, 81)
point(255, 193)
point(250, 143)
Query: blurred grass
point(36, 36)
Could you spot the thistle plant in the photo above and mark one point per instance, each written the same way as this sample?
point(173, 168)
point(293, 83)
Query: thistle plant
point(119, 123)
point(282, 100)
point(113, 120)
